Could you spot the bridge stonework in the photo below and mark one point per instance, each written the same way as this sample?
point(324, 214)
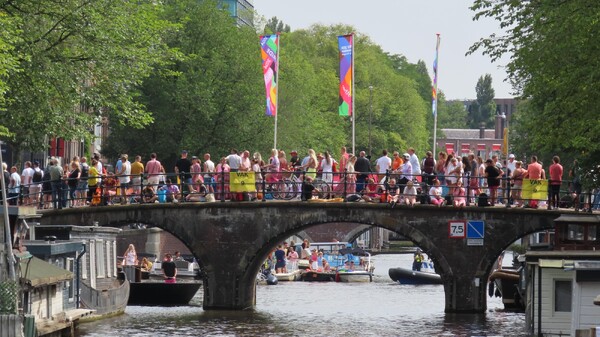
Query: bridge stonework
point(232, 240)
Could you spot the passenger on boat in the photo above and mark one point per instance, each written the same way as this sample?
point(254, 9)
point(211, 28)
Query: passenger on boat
point(418, 258)
point(314, 258)
point(130, 256)
point(146, 265)
point(177, 256)
point(292, 258)
point(326, 266)
point(169, 269)
point(280, 260)
point(351, 266)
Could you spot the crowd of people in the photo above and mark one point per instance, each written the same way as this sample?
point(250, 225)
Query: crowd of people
point(399, 179)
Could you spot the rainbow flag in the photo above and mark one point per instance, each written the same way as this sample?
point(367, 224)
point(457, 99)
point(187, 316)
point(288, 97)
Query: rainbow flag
point(435, 75)
point(346, 48)
point(269, 51)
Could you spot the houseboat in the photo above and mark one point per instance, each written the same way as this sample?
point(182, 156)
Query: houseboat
point(561, 284)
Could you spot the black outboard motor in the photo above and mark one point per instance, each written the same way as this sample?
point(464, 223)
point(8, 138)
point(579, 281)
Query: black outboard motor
point(271, 279)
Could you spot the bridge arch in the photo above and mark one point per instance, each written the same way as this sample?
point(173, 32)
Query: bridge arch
point(232, 239)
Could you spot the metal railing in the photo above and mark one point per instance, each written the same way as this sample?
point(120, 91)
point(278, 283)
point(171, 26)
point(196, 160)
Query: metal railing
point(282, 185)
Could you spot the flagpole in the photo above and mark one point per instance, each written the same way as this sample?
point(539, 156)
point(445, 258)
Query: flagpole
point(435, 89)
point(353, 92)
point(276, 94)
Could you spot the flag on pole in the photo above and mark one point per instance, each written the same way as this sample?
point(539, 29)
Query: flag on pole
point(346, 48)
point(269, 45)
point(435, 73)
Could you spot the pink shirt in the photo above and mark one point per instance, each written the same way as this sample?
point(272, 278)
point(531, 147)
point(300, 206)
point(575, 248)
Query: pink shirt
point(534, 171)
point(556, 172)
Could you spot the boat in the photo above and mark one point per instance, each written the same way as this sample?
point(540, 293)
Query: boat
point(318, 276)
point(186, 270)
point(289, 276)
point(426, 275)
point(361, 269)
point(505, 279)
point(152, 292)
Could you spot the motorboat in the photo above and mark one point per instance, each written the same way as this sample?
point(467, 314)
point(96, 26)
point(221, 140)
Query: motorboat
point(288, 276)
point(426, 275)
point(155, 293)
point(505, 279)
point(357, 266)
point(318, 276)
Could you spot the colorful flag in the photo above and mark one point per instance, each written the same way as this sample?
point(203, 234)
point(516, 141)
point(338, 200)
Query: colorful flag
point(346, 48)
point(269, 52)
point(435, 73)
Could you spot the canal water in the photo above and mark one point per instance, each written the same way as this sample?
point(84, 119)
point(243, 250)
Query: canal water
point(380, 308)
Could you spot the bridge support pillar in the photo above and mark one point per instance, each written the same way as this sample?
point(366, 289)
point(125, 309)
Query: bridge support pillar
point(226, 285)
point(465, 294)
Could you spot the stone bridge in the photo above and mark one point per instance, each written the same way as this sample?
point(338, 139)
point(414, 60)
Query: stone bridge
point(232, 240)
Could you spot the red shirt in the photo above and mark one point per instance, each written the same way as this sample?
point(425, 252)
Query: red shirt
point(556, 172)
point(534, 171)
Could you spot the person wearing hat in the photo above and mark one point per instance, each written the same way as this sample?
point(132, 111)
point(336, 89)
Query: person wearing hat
point(511, 164)
point(294, 161)
point(406, 171)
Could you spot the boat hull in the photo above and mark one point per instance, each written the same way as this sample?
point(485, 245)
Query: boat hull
point(162, 294)
point(314, 276)
point(507, 282)
point(292, 276)
point(408, 276)
point(357, 276)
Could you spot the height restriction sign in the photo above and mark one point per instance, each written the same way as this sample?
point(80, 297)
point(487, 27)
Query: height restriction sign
point(457, 229)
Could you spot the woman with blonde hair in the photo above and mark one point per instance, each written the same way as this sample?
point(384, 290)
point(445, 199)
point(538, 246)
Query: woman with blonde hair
point(311, 166)
point(130, 256)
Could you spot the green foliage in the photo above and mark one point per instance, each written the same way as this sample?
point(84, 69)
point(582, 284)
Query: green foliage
point(78, 61)
point(452, 115)
point(274, 25)
point(484, 109)
point(554, 66)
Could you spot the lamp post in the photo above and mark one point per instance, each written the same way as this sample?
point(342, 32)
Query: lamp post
point(370, 115)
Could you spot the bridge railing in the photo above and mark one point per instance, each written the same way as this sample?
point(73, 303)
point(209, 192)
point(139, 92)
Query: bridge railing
point(294, 185)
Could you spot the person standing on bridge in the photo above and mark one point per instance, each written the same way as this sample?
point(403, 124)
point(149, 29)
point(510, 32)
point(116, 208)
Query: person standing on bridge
point(184, 166)
point(169, 269)
point(153, 171)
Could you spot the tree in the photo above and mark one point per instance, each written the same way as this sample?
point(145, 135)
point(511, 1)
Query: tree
point(78, 62)
point(554, 68)
point(485, 109)
point(452, 114)
point(274, 25)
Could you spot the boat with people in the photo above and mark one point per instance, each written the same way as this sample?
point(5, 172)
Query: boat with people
point(504, 282)
point(153, 292)
point(290, 275)
point(318, 276)
point(357, 266)
point(422, 272)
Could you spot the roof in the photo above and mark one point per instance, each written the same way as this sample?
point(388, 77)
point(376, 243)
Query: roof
point(468, 134)
point(36, 272)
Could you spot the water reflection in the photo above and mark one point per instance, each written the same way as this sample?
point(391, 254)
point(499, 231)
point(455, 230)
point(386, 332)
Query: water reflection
point(380, 308)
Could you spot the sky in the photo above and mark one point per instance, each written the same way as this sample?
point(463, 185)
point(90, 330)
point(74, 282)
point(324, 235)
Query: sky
point(408, 27)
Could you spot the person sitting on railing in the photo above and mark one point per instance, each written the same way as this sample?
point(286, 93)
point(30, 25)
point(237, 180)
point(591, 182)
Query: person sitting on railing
point(369, 193)
point(393, 193)
point(308, 189)
point(172, 191)
point(459, 195)
point(406, 171)
point(200, 192)
point(110, 184)
point(435, 194)
point(410, 193)
point(148, 195)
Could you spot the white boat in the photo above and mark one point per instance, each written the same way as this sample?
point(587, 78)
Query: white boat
point(357, 272)
point(354, 276)
point(289, 276)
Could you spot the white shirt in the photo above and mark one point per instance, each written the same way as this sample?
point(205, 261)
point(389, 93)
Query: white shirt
point(414, 161)
point(234, 161)
point(511, 165)
point(15, 183)
point(209, 166)
point(125, 171)
point(383, 163)
point(27, 176)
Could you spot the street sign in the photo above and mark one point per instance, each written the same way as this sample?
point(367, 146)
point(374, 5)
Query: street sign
point(475, 229)
point(456, 229)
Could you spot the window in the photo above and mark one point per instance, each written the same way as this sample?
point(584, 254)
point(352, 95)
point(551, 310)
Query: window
point(100, 260)
point(575, 232)
point(70, 263)
point(562, 296)
point(592, 233)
